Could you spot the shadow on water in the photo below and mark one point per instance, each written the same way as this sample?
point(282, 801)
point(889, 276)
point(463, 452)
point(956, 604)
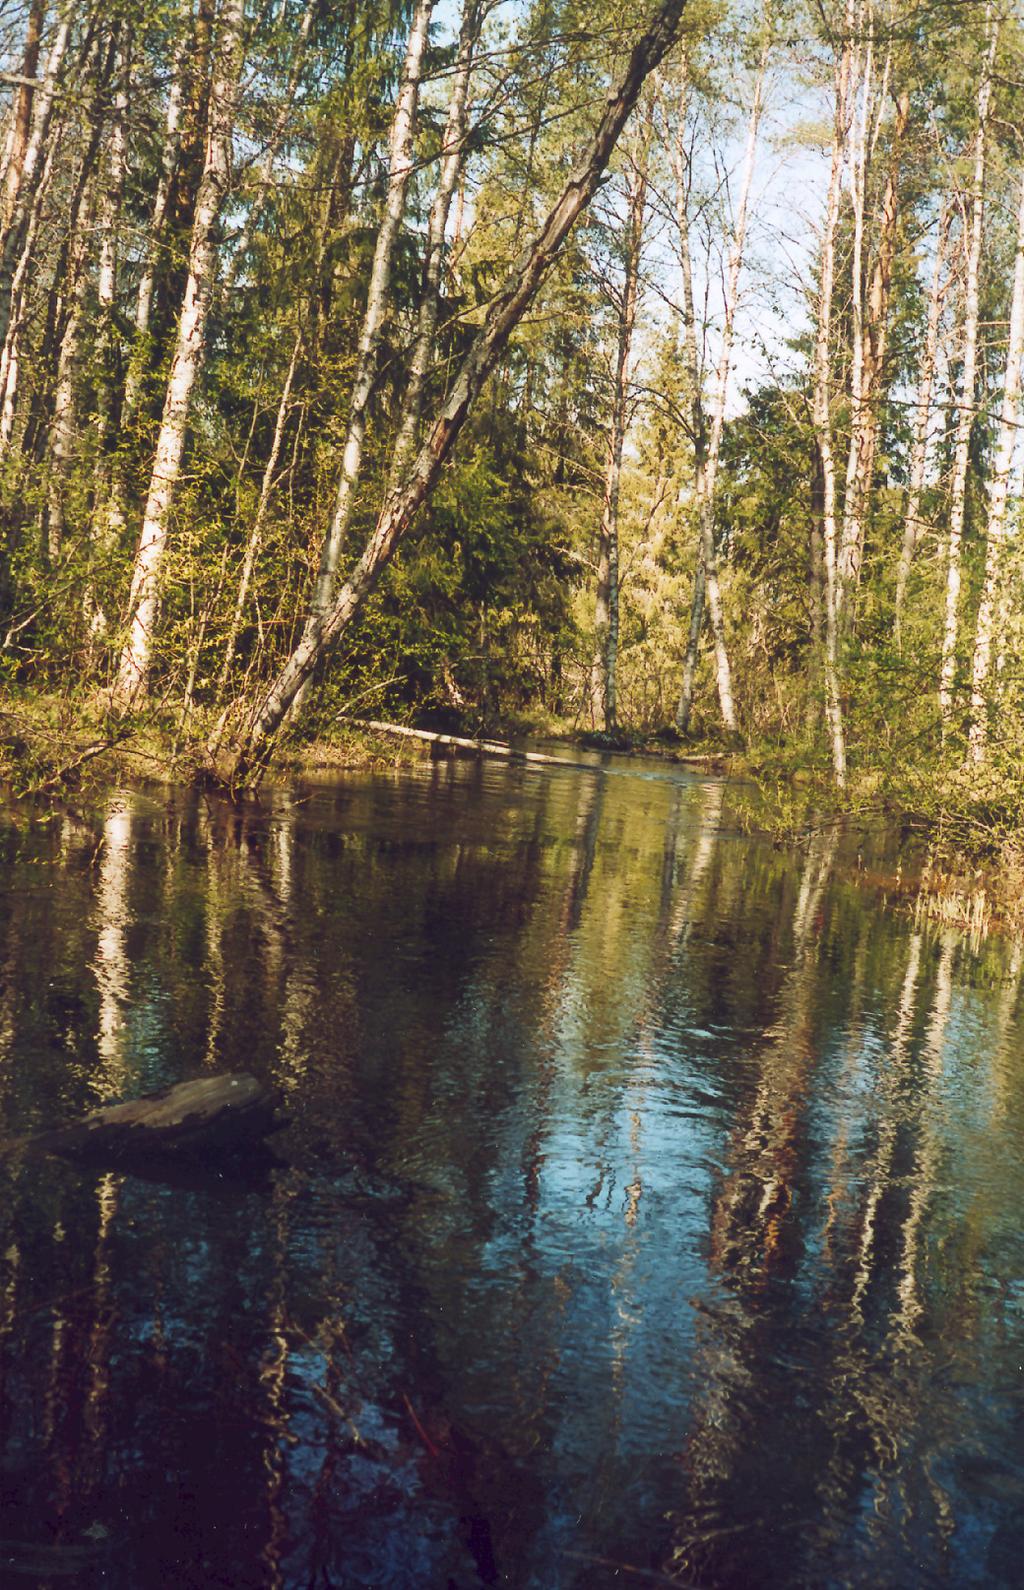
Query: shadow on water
point(648, 1211)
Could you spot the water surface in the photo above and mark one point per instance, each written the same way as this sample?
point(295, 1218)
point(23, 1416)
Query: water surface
point(650, 1210)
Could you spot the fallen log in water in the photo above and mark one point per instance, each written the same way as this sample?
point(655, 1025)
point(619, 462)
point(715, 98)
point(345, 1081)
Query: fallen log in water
point(212, 1116)
point(514, 753)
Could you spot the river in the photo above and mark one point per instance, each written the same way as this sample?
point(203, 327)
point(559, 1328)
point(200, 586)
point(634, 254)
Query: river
point(649, 1211)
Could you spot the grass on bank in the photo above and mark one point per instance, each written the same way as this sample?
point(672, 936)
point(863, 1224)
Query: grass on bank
point(967, 822)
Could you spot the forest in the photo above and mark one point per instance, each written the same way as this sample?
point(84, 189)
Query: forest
point(492, 366)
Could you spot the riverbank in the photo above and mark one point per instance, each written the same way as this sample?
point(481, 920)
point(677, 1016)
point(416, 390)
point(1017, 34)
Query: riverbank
point(968, 845)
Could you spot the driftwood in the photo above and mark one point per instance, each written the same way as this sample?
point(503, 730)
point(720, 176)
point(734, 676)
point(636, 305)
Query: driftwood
point(210, 1117)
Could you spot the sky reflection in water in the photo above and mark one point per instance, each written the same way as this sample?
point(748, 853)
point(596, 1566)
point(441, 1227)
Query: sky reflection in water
point(649, 1213)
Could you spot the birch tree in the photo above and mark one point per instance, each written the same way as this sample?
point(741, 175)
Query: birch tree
point(189, 353)
point(822, 406)
point(453, 149)
point(503, 314)
point(984, 635)
point(707, 437)
point(400, 159)
point(606, 605)
point(923, 418)
point(20, 203)
point(112, 513)
point(968, 384)
point(870, 289)
point(16, 146)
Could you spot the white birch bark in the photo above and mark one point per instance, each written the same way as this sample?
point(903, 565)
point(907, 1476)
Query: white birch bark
point(922, 423)
point(863, 67)
point(109, 226)
point(606, 606)
point(21, 120)
point(400, 161)
point(114, 512)
point(699, 423)
point(965, 415)
point(63, 429)
point(1005, 448)
point(870, 290)
point(503, 314)
point(452, 156)
point(110, 209)
point(708, 442)
point(190, 348)
point(822, 411)
point(14, 300)
point(400, 158)
point(35, 157)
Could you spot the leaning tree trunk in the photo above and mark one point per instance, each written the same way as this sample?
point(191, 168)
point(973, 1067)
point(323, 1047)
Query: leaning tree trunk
point(503, 315)
point(919, 453)
point(606, 606)
point(708, 441)
point(189, 352)
point(965, 415)
point(984, 631)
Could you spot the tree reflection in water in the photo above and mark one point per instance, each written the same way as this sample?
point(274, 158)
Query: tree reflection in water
point(648, 1203)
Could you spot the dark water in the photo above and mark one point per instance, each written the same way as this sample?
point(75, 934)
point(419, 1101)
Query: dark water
point(651, 1207)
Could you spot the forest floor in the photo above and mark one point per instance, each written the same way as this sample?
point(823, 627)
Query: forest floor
point(965, 873)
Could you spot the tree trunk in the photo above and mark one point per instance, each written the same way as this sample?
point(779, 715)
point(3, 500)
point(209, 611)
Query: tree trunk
point(707, 444)
point(606, 606)
point(400, 162)
point(984, 631)
point(113, 512)
point(503, 314)
point(14, 299)
point(63, 429)
point(109, 223)
point(190, 349)
point(919, 453)
point(871, 336)
point(965, 416)
point(822, 412)
point(699, 423)
point(400, 165)
point(21, 123)
point(255, 539)
point(32, 165)
point(452, 155)
point(858, 157)
point(155, 234)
